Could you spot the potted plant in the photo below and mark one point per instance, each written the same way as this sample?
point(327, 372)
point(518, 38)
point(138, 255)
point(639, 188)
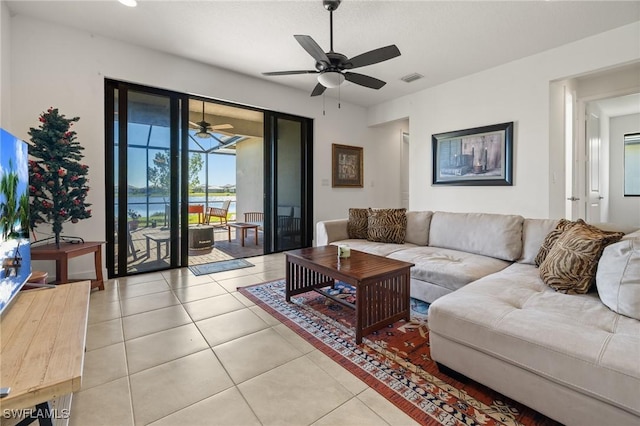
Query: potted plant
point(134, 215)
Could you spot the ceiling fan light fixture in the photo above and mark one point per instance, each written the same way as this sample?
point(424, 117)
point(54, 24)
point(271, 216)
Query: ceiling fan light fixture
point(331, 79)
point(203, 134)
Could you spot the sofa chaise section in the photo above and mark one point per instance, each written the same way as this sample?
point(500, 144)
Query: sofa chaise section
point(567, 356)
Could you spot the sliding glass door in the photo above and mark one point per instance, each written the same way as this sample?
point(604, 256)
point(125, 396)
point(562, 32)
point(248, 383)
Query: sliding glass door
point(187, 175)
point(144, 130)
point(289, 172)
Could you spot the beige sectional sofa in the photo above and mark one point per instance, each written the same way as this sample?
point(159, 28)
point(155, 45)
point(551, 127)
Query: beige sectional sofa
point(493, 319)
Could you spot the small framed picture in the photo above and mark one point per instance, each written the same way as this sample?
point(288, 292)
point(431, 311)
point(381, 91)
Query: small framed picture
point(478, 156)
point(347, 166)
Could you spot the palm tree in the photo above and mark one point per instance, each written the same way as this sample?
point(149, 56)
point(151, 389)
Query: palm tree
point(9, 208)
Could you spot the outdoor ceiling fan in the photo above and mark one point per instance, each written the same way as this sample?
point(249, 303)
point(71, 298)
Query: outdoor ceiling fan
point(332, 67)
point(204, 128)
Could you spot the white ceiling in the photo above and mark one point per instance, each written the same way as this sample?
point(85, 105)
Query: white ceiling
point(442, 40)
point(622, 105)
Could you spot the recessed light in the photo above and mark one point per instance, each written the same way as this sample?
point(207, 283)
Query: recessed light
point(130, 3)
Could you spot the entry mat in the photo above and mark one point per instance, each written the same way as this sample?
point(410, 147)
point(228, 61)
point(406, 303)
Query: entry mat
point(223, 265)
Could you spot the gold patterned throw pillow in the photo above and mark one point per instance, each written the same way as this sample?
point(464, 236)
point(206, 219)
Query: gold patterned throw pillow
point(358, 223)
point(571, 264)
point(551, 239)
point(387, 225)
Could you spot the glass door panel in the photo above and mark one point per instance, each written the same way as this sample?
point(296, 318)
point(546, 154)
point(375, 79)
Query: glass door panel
point(290, 174)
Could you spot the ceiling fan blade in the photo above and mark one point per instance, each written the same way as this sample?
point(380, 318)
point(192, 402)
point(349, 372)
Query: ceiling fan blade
point(364, 80)
point(375, 56)
point(318, 90)
point(221, 127)
point(194, 125)
point(290, 72)
point(312, 48)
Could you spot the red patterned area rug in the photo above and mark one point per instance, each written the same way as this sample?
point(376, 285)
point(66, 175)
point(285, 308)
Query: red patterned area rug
point(394, 361)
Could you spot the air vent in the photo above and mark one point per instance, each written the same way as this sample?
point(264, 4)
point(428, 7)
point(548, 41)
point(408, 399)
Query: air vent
point(412, 77)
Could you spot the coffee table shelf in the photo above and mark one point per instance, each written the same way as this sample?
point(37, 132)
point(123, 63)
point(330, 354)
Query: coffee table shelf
point(382, 284)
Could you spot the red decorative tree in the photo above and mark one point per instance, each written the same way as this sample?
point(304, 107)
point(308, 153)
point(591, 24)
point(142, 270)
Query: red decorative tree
point(57, 179)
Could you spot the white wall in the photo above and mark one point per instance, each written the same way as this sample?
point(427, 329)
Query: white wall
point(69, 74)
point(623, 210)
point(5, 75)
point(519, 92)
point(249, 177)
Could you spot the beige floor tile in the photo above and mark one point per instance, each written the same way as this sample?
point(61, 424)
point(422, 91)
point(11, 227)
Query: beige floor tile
point(275, 396)
point(150, 302)
point(103, 312)
point(225, 408)
point(104, 365)
point(109, 294)
point(167, 388)
point(232, 284)
point(176, 273)
point(104, 333)
point(354, 413)
point(251, 355)
point(153, 321)
point(242, 298)
point(197, 292)
point(338, 372)
point(229, 326)
point(185, 280)
point(127, 291)
point(213, 306)
point(294, 339)
point(266, 317)
point(164, 346)
point(138, 279)
point(104, 405)
point(385, 409)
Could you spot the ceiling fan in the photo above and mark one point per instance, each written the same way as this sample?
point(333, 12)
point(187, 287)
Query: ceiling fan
point(332, 67)
point(204, 127)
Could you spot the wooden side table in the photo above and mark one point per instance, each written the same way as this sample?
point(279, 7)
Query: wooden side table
point(68, 251)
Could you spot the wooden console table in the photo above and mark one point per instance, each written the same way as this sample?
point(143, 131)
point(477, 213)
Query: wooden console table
point(42, 347)
point(68, 251)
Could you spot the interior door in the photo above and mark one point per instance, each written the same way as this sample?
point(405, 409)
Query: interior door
point(593, 148)
point(289, 177)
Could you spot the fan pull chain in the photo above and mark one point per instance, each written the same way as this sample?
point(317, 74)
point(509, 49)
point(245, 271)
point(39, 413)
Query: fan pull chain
point(339, 96)
point(323, 109)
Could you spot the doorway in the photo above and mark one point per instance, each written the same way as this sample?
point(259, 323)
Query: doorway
point(197, 180)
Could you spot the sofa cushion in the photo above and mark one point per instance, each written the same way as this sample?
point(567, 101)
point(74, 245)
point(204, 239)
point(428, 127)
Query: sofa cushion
point(534, 232)
point(372, 247)
point(387, 225)
point(572, 340)
point(618, 277)
point(450, 269)
point(358, 223)
point(418, 227)
point(571, 264)
point(551, 238)
point(494, 235)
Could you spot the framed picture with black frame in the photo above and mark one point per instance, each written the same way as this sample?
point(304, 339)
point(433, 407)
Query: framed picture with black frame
point(347, 166)
point(481, 156)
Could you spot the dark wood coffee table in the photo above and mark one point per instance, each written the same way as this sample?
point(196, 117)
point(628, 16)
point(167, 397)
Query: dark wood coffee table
point(382, 284)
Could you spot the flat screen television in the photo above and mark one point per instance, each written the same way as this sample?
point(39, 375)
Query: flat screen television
point(15, 250)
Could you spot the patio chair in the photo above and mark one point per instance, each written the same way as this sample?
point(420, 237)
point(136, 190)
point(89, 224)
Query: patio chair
point(199, 210)
point(219, 213)
point(256, 218)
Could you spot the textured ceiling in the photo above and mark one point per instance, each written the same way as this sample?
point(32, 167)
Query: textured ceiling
point(440, 40)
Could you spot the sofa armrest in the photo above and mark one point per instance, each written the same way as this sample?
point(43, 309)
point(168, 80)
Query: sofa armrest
point(329, 231)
